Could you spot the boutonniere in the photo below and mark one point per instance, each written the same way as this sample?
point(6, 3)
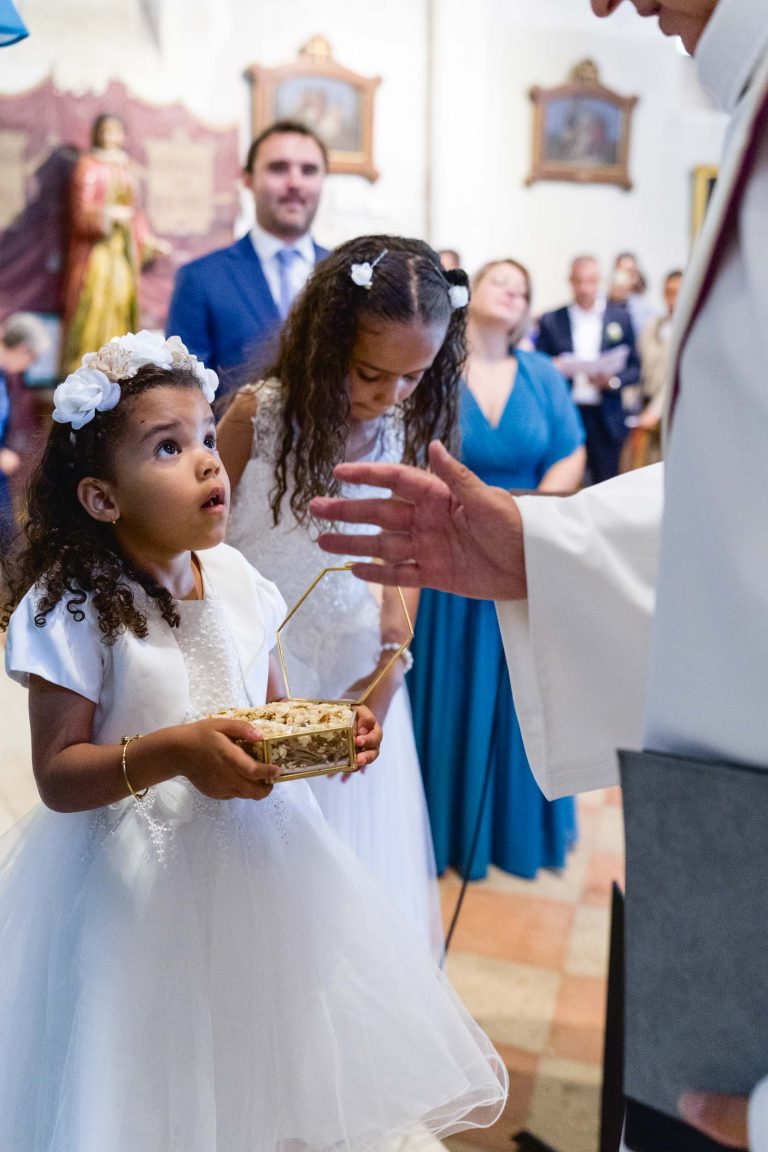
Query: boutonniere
point(614, 332)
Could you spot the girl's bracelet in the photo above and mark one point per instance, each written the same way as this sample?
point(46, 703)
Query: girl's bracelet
point(406, 655)
point(126, 740)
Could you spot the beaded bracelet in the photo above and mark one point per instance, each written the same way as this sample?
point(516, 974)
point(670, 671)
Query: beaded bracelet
point(406, 655)
point(126, 740)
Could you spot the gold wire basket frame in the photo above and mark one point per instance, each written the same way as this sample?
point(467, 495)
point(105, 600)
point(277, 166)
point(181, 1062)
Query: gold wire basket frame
point(396, 654)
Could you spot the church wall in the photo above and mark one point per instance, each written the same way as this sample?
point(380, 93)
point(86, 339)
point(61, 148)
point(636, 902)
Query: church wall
point(486, 56)
point(483, 128)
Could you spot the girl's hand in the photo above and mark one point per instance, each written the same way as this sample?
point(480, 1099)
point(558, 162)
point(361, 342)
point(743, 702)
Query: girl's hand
point(205, 752)
point(367, 739)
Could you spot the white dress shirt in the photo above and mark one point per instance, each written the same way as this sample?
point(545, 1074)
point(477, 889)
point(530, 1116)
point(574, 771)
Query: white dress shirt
point(587, 336)
point(267, 246)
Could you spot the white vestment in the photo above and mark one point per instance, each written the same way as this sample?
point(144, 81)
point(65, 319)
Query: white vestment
point(593, 667)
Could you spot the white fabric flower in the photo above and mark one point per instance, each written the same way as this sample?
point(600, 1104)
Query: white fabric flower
point(614, 332)
point(113, 361)
point(83, 393)
point(362, 275)
point(209, 381)
point(458, 294)
point(145, 348)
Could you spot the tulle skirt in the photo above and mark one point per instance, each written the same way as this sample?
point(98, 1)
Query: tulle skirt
point(381, 814)
point(201, 976)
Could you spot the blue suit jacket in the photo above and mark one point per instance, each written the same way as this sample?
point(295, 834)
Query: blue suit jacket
point(555, 336)
point(224, 312)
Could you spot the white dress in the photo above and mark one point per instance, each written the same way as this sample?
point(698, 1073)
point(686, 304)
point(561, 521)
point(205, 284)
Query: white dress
point(193, 975)
point(380, 814)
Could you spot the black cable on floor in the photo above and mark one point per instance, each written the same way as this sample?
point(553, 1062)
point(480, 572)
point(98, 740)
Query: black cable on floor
point(470, 861)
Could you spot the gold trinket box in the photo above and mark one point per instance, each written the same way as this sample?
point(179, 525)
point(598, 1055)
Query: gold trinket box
point(309, 737)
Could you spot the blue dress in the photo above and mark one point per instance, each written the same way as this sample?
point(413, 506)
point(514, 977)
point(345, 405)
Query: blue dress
point(463, 713)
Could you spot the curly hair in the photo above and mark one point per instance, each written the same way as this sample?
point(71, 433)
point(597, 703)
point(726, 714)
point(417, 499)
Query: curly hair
point(66, 553)
point(312, 364)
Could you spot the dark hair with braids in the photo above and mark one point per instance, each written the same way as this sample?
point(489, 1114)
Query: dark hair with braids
point(67, 553)
point(408, 286)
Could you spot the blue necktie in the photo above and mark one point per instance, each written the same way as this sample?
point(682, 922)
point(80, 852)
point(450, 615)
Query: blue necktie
point(285, 259)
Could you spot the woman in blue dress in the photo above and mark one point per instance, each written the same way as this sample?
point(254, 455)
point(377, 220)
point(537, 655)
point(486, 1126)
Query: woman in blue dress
point(520, 430)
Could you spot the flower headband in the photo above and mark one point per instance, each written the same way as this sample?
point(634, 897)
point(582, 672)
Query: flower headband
point(362, 275)
point(95, 388)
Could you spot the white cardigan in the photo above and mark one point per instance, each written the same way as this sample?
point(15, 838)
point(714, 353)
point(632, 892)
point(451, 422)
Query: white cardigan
point(141, 685)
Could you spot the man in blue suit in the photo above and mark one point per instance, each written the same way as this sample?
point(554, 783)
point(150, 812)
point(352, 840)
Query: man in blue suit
point(588, 327)
point(228, 306)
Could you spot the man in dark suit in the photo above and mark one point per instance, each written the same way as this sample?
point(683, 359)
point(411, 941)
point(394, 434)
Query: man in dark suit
point(585, 329)
point(228, 306)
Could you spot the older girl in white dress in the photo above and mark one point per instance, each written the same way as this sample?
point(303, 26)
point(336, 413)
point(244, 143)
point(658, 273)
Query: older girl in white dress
point(189, 959)
point(368, 369)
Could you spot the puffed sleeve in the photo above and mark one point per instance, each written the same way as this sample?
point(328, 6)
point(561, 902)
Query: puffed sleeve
point(271, 604)
point(65, 651)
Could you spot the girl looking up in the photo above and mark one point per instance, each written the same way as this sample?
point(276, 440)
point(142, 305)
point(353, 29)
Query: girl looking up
point(189, 960)
point(368, 369)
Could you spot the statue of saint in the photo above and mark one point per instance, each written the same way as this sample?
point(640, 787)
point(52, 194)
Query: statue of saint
point(108, 243)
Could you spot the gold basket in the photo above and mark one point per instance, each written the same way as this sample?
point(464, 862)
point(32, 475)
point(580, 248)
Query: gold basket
point(322, 747)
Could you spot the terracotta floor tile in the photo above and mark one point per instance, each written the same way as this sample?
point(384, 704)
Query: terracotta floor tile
point(593, 799)
point(523, 1068)
point(610, 830)
point(578, 1024)
point(589, 822)
point(613, 796)
point(588, 948)
point(565, 1111)
point(566, 885)
point(519, 928)
point(601, 871)
point(513, 1003)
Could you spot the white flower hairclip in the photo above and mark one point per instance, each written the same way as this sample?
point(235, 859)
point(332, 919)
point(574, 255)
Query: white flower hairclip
point(81, 395)
point(362, 274)
point(95, 388)
point(458, 294)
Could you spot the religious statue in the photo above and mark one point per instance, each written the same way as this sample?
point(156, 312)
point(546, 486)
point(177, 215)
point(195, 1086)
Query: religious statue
point(108, 243)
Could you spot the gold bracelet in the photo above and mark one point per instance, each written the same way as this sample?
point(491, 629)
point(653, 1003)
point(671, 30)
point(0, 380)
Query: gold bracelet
point(126, 740)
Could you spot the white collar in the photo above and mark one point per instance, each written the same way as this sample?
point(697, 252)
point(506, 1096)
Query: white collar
point(266, 245)
point(597, 309)
point(730, 48)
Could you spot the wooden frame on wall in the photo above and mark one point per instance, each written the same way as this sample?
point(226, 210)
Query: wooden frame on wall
point(704, 177)
point(581, 131)
point(334, 102)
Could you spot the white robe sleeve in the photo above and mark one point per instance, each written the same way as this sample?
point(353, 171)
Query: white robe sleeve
point(577, 648)
point(757, 1117)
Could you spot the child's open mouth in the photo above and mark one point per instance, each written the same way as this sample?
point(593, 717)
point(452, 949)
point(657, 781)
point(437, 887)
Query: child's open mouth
point(215, 500)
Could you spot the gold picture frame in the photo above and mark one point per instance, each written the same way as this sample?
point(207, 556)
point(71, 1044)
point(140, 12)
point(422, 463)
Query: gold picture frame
point(333, 101)
point(704, 177)
point(581, 131)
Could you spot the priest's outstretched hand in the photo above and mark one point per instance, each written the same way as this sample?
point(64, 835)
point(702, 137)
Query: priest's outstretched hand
point(444, 529)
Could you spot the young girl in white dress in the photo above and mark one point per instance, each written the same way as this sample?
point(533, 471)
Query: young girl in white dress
point(189, 959)
point(368, 369)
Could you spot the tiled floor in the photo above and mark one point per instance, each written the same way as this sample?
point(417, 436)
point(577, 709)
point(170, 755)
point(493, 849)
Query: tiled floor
point(528, 958)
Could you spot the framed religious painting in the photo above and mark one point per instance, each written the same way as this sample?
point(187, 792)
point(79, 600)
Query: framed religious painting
point(334, 102)
point(581, 131)
point(704, 177)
